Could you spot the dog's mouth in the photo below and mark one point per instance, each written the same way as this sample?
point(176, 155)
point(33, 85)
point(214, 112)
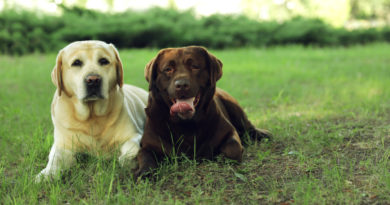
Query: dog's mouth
point(93, 92)
point(93, 96)
point(184, 107)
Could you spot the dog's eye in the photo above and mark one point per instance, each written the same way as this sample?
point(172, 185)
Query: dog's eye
point(168, 69)
point(103, 61)
point(77, 62)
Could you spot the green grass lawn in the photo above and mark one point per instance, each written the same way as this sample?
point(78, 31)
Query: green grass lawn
point(329, 110)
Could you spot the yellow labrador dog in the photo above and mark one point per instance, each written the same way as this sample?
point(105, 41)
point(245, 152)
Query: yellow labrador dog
point(92, 110)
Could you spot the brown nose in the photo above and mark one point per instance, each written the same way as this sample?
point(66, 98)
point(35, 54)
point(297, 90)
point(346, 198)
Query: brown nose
point(93, 79)
point(182, 84)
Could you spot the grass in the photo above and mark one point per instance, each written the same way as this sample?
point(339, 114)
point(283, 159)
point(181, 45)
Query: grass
point(328, 109)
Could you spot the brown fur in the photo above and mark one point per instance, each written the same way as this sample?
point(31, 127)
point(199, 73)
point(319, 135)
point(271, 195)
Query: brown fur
point(217, 126)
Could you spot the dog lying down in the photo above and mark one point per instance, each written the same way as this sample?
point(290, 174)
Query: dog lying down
point(187, 114)
point(92, 110)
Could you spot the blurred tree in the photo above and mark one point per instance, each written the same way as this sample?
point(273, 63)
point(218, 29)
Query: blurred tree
point(110, 4)
point(172, 4)
point(81, 3)
point(5, 4)
point(370, 9)
point(335, 12)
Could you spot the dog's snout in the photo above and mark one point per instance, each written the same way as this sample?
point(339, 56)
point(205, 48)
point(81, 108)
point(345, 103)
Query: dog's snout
point(93, 84)
point(93, 80)
point(182, 84)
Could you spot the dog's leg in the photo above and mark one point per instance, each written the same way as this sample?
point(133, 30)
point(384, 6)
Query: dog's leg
point(146, 163)
point(129, 151)
point(232, 148)
point(241, 122)
point(59, 159)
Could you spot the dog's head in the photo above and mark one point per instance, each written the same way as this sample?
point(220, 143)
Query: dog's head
point(184, 79)
point(87, 70)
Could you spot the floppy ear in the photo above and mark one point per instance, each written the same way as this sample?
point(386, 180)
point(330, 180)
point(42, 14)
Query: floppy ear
point(148, 69)
point(119, 66)
point(215, 66)
point(151, 69)
point(56, 74)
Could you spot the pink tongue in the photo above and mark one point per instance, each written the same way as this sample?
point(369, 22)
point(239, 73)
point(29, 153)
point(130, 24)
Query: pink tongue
point(183, 106)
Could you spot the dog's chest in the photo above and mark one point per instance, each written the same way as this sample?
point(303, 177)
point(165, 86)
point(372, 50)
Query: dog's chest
point(106, 139)
point(193, 146)
point(99, 134)
point(193, 139)
point(187, 141)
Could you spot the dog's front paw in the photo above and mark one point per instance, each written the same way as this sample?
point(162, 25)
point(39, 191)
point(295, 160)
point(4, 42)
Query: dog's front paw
point(46, 175)
point(128, 162)
point(129, 151)
point(40, 178)
point(141, 174)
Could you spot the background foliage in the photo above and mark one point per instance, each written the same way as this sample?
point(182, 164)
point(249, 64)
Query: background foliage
point(24, 32)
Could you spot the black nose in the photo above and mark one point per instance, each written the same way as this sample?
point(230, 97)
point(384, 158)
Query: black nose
point(182, 84)
point(93, 80)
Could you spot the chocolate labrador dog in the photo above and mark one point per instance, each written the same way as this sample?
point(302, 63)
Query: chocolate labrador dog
point(187, 114)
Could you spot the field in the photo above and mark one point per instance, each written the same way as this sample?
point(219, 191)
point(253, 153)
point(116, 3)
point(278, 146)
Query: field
point(328, 108)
